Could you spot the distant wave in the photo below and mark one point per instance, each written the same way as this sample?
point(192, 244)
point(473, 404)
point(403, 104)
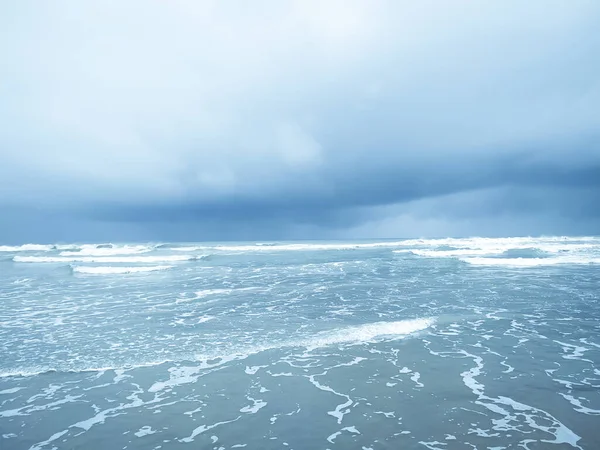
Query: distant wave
point(173, 246)
point(477, 251)
point(423, 247)
point(275, 247)
point(477, 245)
point(111, 270)
point(27, 248)
point(506, 242)
point(306, 247)
point(93, 250)
point(107, 259)
point(530, 262)
point(447, 253)
point(525, 252)
point(189, 248)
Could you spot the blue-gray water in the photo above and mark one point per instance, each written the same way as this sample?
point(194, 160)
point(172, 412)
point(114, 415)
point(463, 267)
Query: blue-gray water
point(424, 344)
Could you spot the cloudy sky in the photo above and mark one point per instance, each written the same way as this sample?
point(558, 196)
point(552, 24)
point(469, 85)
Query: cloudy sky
point(277, 119)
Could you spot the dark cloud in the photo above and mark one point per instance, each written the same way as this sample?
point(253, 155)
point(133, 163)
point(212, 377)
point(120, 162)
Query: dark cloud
point(211, 120)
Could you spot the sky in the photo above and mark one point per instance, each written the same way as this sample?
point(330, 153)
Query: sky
point(298, 119)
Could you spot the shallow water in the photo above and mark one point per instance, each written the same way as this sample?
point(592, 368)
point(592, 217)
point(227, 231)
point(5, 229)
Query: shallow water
point(438, 344)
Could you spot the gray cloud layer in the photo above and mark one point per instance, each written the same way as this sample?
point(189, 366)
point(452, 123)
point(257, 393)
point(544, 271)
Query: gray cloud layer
point(221, 120)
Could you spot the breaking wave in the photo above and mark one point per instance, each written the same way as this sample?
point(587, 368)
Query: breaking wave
point(467, 252)
point(27, 248)
point(439, 247)
point(523, 252)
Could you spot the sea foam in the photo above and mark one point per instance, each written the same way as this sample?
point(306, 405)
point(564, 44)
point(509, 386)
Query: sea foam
point(359, 334)
point(367, 332)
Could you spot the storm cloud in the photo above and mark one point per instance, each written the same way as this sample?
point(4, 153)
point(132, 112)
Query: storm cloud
point(191, 120)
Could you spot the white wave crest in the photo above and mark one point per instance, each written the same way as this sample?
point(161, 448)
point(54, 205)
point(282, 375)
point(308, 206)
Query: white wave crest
point(27, 248)
point(514, 251)
point(108, 270)
point(107, 259)
point(511, 242)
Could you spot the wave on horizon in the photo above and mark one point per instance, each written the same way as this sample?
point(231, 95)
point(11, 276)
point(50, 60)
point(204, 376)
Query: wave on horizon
point(111, 270)
point(108, 259)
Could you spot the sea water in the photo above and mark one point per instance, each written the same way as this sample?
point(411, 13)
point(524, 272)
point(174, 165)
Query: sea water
point(405, 344)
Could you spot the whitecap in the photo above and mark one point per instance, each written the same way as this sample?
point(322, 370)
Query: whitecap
point(27, 248)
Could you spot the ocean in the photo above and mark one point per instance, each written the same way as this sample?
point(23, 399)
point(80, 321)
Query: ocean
point(394, 344)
